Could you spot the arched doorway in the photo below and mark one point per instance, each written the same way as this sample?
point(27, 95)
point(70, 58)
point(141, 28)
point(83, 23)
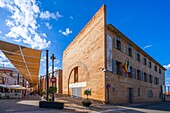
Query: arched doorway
point(78, 78)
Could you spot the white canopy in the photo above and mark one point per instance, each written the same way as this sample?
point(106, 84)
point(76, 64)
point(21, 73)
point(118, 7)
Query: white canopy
point(12, 86)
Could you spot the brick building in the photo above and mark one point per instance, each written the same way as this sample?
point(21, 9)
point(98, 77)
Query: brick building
point(42, 82)
point(94, 60)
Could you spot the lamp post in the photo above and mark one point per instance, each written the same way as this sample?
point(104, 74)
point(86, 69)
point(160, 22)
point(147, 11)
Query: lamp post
point(52, 58)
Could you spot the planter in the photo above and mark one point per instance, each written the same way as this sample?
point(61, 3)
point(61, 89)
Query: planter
point(86, 103)
point(46, 104)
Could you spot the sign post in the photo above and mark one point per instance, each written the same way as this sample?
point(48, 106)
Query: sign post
point(108, 87)
point(53, 58)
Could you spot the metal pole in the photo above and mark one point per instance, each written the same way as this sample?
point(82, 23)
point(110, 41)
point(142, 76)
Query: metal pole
point(18, 79)
point(108, 95)
point(47, 82)
point(53, 58)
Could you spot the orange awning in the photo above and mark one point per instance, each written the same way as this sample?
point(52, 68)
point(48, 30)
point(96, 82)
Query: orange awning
point(25, 60)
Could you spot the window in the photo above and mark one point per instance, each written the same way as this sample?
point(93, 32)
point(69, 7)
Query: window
point(138, 91)
point(150, 93)
point(119, 68)
point(138, 56)
point(145, 77)
point(155, 68)
point(118, 44)
point(150, 64)
point(75, 74)
point(138, 74)
point(156, 80)
point(150, 78)
point(144, 61)
point(160, 71)
point(129, 51)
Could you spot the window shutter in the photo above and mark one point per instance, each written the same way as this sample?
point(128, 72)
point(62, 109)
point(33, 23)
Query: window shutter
point(114, 68)
point(136, 74)
point(136, 55)
point(121, 46)
point(127, 52)
point(147, 77)
point(132, 53)
point(115, 42)
point(141, 58)
point(146, 62)
point(141, 75)
point(133, 73)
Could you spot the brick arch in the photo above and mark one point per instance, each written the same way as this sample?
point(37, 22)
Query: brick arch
point(83, 66)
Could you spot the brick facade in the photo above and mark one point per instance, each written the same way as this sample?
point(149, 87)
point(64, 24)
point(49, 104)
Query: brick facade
point(58, 83)
point(88, 63)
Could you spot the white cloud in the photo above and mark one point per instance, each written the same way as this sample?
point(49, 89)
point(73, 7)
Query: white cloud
point(65, 33)
point(22, 22)
point(167, 66)
point(43, 59)
point(148, 46)
point(4, 61)
point(71, 17)
point(19, 40)
point(43, 34)
point(2, 4)
point(168, 79)
point(47, 15)
point(48, 25)
point(55, 68)
point(0, 32)
point(57, 61)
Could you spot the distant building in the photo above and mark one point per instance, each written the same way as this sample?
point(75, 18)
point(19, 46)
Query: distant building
point(58, 83)
point(14, 75)
point(94, 60)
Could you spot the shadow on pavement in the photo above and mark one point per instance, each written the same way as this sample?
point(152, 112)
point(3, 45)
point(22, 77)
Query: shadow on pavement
point(161, 106)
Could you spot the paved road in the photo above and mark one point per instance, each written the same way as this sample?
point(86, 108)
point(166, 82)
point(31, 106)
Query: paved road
point(30, 105)
point(26, 105)
point(161, 107)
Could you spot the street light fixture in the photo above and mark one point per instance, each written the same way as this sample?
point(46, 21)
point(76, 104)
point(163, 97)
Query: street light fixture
point(52, 58)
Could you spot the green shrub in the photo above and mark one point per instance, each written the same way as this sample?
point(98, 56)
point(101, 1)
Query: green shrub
point(52, 89)
point(87, 92)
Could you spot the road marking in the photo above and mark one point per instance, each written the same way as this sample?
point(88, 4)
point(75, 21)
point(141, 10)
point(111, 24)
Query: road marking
point(10, 110)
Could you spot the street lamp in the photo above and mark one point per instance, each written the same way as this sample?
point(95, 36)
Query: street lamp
point(52, 58)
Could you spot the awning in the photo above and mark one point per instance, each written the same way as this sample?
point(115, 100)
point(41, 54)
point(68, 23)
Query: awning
point(12, 86)
point(16, 87)
point(4, 85)
point(25, 60)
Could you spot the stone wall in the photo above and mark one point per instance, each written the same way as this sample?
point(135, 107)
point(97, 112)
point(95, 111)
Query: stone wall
point(87, 52)
point(118, 93)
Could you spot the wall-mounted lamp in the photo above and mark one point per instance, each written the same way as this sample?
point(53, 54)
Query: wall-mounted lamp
point(104, 70)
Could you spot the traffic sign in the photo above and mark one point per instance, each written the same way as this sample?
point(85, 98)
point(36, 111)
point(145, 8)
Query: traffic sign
point(53, 79)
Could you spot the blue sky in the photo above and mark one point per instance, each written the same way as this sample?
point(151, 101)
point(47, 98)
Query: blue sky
point(54, 24)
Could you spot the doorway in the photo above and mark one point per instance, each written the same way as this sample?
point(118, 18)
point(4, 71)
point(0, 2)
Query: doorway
point(130, 95)
point(76, 92)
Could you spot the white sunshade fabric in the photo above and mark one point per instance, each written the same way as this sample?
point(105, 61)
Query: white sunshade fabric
point(4, 85)
point(25, 60)
point(12, 86)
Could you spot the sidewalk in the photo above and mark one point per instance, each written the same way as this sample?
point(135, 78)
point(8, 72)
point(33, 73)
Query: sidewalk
point(72, 104)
